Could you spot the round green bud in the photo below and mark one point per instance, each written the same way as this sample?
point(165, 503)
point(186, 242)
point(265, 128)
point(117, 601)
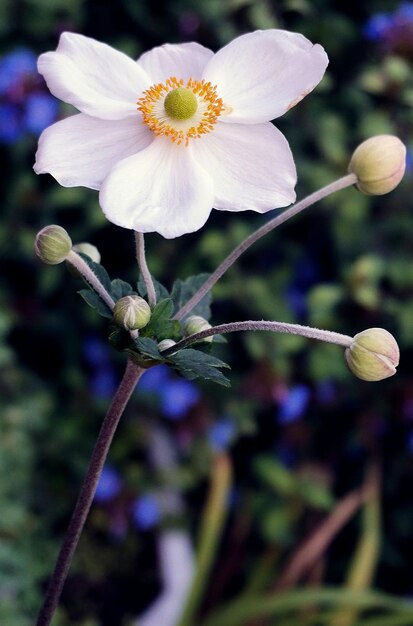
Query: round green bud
point(132, 312)
point(373, 355)
point(180, 104)
point(379, 164)
point(195, 324)
point(87, 248)
point(165, 344)
point(52, 244)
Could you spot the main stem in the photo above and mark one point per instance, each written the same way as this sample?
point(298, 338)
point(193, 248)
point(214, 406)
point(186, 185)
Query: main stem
point(143, 266)
point(84, 502)
point(341, 183)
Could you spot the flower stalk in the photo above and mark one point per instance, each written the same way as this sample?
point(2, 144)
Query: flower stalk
point(85, 499)
point(274, 327)
point(341, 183)
point(83, 268)
point(143, 266)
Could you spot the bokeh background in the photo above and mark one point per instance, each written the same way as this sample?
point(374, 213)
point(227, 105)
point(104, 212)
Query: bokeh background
point(298, 430)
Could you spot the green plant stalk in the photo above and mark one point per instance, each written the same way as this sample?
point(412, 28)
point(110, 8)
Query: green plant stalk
point(364, 562)
point(85, 499)
point(341, 183)
point(143, 266)
point(239, 612)
point(210, 532)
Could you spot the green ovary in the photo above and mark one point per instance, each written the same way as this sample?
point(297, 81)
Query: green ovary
point(180, 104)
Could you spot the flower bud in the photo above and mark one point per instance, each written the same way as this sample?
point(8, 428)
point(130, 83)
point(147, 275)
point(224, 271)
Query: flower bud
point(195, 324)
point(52, 244)
point(132, 312)
point(165, 344)
point(379, 164)
point(87, 248)
point(373, 355)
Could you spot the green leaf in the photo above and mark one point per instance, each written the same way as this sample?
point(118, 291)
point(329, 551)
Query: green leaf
point(196, 364)
point(148, 347)
point(160, 324)
point(183, 290)
point(99, 272)
point(162, 310)
point(94, 301)
point(160, 290)
point(120, 289)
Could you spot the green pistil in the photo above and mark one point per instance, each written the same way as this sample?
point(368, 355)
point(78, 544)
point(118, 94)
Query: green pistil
point(180, 104)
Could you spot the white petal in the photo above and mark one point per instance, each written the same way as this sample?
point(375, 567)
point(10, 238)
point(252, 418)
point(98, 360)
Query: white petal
point(184, 60)
point(161, 189)
point(81, 150)
point(95, 78)
point(251, 165)
point(263, 74)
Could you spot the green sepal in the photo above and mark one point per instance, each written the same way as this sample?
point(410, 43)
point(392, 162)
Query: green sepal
point(197, 364)
point(183, 290)
point(95, 301)
point(161, 325)
point(119, 289)
point(160, 290)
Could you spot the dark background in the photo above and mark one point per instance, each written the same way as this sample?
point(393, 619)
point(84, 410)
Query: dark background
point(344, 265)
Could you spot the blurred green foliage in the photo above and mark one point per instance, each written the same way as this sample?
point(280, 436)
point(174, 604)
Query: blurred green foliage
point(344, 265)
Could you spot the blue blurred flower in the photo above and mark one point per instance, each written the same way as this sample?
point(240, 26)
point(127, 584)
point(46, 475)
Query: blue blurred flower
point(41, 111)
point(221, 433)
point(15, 67)
point(377, 26)
point(10, 127)
point(103, 383)
point(153, 379)
point(178, 396)
point(96, 351)
point(294, 404)
point(326, 392)
point(25, 106)
point(109, 485)
point(146, 512)
point(393, 28)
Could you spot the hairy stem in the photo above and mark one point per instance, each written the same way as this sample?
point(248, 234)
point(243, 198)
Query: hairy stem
point(274, 327)
point(143, 266)
point(83, 268)
point(84, 502)
point(341, 183)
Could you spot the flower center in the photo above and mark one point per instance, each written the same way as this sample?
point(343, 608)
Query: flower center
point(179, 110)
point(180, 104)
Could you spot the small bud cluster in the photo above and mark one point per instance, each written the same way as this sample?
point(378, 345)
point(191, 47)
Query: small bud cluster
point(53, 244)
point(196, 324)
point(132, 312)
point(373, 355)
point(379, 164)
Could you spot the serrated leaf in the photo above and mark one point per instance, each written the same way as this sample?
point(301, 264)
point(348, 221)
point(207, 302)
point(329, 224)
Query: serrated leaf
point(183, 290)
point(168, 329)
point(120, 289)
point(148, 347)
point(196, 364)
point(162, 310)
point(99, 272)
point(94, 301)
point(160, 290)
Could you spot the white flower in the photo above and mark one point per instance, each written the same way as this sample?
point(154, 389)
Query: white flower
point(180, 131)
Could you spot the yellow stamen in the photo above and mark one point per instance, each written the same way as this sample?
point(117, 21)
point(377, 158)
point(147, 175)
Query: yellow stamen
point(198, 122)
